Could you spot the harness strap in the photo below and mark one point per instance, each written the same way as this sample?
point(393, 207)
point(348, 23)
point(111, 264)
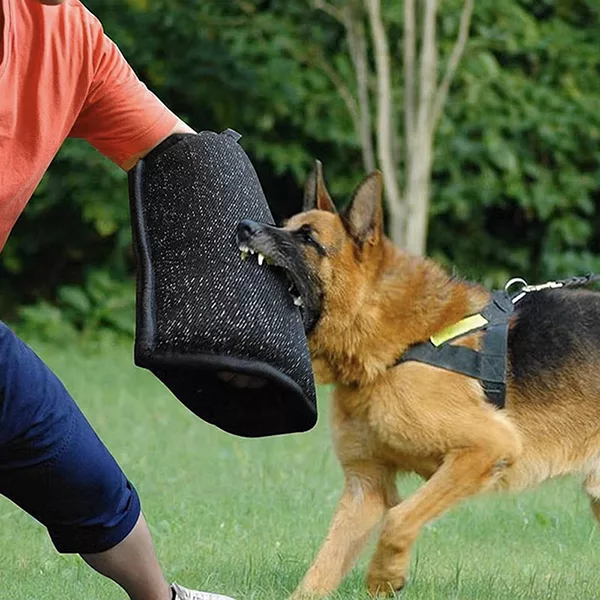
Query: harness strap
point(487, 365)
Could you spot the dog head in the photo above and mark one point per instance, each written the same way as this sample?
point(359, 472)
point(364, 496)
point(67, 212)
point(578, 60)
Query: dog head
point(329, 257)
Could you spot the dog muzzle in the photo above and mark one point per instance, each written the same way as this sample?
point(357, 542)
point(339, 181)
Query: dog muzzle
point(222, 334)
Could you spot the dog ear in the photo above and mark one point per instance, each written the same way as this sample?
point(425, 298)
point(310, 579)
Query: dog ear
point(363, 217)
point(315, 192)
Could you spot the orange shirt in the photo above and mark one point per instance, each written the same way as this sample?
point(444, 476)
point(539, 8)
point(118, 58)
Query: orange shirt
point(60, 77)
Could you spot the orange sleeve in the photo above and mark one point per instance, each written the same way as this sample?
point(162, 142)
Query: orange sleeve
point(120, 116)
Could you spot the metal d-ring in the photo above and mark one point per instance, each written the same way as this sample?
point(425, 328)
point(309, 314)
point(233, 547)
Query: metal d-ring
point(522, 289)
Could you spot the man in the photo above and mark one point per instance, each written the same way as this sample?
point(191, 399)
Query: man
point(60, 77)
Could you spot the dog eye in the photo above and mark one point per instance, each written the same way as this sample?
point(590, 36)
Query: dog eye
point(306, 231)
point(307, 235)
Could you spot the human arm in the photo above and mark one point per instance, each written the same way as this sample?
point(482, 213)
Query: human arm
point(180, 127)
point(120, 117)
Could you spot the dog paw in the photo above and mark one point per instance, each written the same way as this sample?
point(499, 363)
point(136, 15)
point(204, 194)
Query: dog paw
point(304, 595)
point(386, 586)
point(386, 578)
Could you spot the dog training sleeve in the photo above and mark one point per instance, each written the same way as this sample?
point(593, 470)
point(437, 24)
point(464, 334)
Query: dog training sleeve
point(201, 311)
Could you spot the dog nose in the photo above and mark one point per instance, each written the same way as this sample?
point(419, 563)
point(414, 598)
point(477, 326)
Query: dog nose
point(246, 229)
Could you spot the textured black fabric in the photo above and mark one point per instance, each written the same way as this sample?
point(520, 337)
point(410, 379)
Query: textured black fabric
point(202, 310)
point(489, 364)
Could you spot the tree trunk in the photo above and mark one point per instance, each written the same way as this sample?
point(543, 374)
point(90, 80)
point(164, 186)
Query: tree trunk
point(421, 146)
point(424, 102)
point(355, 34)
point(385, 122)
point(397, 228)
point(417, 193)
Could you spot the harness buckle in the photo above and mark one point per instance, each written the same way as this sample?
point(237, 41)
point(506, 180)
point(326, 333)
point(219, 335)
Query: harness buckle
point(526, 288)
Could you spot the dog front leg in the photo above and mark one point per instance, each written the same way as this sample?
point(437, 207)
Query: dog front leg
point(368, 494)
point(464, 473)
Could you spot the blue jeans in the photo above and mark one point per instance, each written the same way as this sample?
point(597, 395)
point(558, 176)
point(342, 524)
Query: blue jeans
point(52, 463)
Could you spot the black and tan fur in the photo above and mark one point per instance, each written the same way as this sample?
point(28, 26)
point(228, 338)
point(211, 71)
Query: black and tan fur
point(365, 302)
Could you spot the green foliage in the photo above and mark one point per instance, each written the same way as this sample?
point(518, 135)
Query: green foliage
point(82, 313)
point(77, 220)
point(516, 171)
point(517, 160)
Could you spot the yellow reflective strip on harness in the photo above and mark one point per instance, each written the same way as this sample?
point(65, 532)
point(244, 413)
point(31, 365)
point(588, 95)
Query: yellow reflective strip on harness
point(464, 326)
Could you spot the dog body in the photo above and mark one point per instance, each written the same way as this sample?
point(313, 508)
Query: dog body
point(365, 303)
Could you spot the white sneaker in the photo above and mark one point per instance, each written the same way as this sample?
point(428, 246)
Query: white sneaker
point(182, 593)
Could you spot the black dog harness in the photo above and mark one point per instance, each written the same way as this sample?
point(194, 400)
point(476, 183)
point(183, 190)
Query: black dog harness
point(488, 365)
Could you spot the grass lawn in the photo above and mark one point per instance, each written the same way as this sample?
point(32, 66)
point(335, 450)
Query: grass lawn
point(245, 517)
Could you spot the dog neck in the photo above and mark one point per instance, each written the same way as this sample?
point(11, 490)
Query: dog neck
point(402, 301)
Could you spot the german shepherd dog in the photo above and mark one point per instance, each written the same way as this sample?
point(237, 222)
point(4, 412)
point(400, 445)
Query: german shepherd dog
point(364, 302)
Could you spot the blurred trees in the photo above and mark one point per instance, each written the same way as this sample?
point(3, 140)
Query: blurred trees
point(405, 154)
point(515, 165)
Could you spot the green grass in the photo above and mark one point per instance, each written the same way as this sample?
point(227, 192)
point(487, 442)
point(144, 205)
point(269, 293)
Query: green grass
point(245, 517)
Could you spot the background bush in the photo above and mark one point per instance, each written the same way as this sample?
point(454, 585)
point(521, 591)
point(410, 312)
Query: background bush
point(516, 174)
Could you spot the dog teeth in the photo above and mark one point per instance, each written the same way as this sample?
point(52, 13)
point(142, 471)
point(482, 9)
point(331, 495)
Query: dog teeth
point(245, 251)
point(298, 301)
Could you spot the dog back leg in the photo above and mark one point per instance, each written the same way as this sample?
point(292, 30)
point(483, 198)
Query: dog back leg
point(368, 493)
point(464, 472)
